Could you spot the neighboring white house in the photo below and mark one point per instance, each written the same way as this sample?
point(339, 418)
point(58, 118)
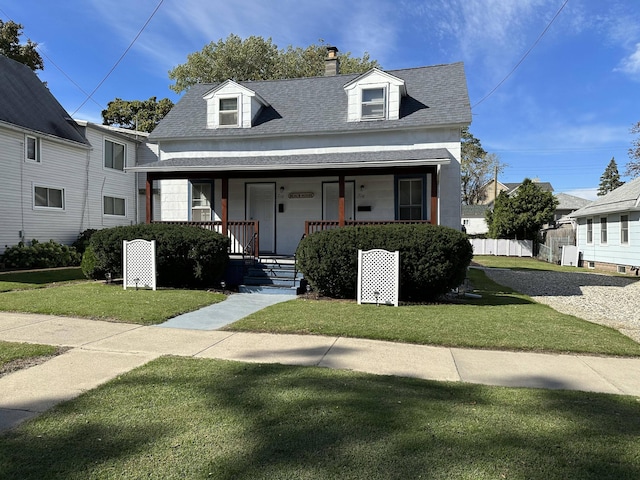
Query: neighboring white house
point(608, 234)
point(288, 157)
point(58, 177)
point(473, 219)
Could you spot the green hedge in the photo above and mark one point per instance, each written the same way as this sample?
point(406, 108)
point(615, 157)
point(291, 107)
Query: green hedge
point(40, 255)
point(186, 256)
point(433, 259)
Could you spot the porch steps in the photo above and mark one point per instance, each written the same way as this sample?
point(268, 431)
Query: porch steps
point(276, 275)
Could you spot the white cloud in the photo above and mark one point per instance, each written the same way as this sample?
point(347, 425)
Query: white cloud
point(631, 64)
point(590, 193)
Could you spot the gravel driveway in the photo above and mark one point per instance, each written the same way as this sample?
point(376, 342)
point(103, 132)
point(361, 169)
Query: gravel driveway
point(603, 299)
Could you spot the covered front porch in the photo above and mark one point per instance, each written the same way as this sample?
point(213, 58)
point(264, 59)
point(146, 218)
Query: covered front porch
point(267, 213)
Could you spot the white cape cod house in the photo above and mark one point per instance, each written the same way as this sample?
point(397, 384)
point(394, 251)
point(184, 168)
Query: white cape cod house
point(268, 161)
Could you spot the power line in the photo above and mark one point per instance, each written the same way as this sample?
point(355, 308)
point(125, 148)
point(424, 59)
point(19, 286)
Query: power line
point(120, 59)
point(523, 57)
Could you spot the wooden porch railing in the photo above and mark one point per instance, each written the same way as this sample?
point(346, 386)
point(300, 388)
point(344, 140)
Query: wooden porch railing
point(244, 235)
point(312, 226)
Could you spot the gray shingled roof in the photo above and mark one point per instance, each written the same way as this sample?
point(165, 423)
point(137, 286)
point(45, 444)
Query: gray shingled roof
point(436, 95)
point(26, 102)
point(474, 211)
point(321, 160)
point(544, 186)
point(570, 202)
point(622, 199)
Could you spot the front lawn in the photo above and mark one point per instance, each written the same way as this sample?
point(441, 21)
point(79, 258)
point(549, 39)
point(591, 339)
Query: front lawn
point(179, 418)
point(501, 319)
point(108, 302)
point(17, 280)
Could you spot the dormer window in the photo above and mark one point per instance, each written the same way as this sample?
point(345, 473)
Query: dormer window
point(373, 103)
point(232, 105)
point(228, 112)
point(375, 95)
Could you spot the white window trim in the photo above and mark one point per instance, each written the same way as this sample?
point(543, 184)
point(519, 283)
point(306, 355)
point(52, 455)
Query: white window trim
point(48, 208)
point(628, 242)
point(385, 102)
point(586, 228)
point(38, 152)
point(605, 230)
point(115, 215)
point(104, 155)
point(238, 99)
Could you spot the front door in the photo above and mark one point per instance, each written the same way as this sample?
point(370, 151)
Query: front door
point(261, 206)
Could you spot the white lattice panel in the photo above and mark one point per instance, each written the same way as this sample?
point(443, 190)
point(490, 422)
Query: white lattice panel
point(139, 264)
point(378, 277)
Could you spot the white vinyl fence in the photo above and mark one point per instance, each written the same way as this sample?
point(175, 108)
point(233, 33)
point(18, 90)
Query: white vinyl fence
point(502, 247)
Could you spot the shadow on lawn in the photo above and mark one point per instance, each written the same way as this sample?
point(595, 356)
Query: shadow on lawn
point(250, 421)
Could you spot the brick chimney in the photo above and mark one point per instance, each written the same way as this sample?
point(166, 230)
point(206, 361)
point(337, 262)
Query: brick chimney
point(331, 62)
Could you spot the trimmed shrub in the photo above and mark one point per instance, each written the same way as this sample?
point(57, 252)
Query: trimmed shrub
point(40, 255)
point(433, 259)
point(186, 256)
point(82, 242)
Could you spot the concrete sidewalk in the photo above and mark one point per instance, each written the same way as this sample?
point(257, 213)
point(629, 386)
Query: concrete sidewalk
point(101, 351)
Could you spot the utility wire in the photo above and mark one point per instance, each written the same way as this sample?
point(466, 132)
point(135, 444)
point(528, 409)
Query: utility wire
point(120, 59)
point(523, 57)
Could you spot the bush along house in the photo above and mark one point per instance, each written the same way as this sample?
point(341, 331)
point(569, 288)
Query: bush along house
point(267, 162)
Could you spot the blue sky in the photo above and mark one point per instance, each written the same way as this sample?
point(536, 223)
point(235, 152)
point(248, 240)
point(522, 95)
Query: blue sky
point(560, 116)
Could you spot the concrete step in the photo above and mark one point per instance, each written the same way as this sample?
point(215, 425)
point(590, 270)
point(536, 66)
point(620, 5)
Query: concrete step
point(268, 289)
point(280, 281)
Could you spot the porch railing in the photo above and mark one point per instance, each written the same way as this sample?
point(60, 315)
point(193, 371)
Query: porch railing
point(244, 235)
point(312, 226)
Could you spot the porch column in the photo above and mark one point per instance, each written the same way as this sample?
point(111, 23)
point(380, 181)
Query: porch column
point(149, 198)
point(434, 196)
point(341, 200)
point(224, 215)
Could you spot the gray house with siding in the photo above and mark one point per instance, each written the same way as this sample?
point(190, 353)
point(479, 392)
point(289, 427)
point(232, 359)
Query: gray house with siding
point(608, 231)
point(59, 177)
point(268, 161)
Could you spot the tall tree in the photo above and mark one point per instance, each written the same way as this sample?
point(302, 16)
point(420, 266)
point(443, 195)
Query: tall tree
point(633, 167)
point(142, 115)
point(476, 168)
point(522, 215)
point(610, 179)
point(10, 46)
point(255, 58)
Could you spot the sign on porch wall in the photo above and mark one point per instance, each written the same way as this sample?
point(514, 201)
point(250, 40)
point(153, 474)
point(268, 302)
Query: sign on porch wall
point(301, 195)
point(139, 264)
point(378, 277)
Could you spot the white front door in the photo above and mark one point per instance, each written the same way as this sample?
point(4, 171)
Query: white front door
point(261, 206)
point(330, 197)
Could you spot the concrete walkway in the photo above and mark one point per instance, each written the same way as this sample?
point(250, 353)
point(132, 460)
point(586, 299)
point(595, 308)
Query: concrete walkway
point(101, 351)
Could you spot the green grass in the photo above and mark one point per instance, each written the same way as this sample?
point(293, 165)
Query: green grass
point(200, 418)
point(10, 352)
point(108, 302)
point(38, 279)
point(501, 319)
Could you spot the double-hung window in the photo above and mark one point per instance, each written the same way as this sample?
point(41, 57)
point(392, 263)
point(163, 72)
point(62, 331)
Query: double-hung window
point(373, 103)
point(410, 199)
point(114, 206)
point(624, 229)
point(45, 197)
point(201, 201)
point(32, 148)
point(603, 230)
point(589, 230)
point(114, 155)
point(228, 112)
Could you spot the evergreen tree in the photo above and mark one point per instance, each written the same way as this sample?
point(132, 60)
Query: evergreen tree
point(610, 179)
point(522, 215)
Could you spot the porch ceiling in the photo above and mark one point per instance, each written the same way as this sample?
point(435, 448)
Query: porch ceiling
point(336, 160)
